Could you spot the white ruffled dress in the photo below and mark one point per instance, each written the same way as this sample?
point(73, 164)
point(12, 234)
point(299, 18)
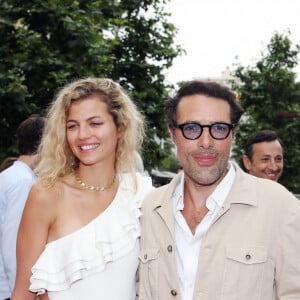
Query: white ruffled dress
point(100, 260)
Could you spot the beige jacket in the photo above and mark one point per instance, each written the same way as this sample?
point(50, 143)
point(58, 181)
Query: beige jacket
point(250, 252)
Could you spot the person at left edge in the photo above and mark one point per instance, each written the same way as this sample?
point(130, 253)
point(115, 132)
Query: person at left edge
point(15, 183)
point(79, 234)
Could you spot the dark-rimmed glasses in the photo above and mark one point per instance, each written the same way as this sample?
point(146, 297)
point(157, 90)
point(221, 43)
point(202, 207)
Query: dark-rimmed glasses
point(193, 130)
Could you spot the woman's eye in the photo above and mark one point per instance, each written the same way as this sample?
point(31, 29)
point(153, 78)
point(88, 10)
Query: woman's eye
point(95, 124)
point(70, 127)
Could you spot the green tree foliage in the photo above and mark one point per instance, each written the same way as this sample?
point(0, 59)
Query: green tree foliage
point(47, 43)
point(270, 96)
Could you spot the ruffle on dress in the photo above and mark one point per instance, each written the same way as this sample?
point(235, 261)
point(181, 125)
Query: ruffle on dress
point(87, 251)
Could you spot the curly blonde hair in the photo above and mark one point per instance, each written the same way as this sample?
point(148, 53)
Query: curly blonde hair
point(57, 159)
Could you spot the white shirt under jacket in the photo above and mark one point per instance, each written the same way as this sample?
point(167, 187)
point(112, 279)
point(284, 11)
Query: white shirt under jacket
point(187, 244)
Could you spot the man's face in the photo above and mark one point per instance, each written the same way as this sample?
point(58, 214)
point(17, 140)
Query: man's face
point(205, 159)
point(267, 160)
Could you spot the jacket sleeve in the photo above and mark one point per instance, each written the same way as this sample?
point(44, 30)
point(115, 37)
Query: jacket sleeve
point(287, 269)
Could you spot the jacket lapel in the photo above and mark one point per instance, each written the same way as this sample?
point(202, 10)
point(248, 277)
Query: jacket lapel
point(239, 192)
point(164, 207)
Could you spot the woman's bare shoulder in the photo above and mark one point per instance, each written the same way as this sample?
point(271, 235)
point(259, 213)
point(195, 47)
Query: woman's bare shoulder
point(45, 194)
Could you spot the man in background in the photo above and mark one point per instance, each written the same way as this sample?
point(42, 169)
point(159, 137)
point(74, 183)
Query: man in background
point(15, 183)
point(263, 155)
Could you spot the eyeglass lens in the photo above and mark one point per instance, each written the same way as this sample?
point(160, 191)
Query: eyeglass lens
point(193, 131)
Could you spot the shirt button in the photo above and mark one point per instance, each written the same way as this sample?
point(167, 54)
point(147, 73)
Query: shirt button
point(173, 293)
point(170, 248)
point(145, 256)
point(248, 256)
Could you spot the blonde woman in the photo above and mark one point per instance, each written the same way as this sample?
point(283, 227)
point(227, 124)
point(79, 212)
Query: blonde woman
point(79, 234)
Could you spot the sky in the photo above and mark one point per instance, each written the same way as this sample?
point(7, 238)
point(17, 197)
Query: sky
point(218, 33)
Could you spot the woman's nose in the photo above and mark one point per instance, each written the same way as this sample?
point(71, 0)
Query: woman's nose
point(84, 132)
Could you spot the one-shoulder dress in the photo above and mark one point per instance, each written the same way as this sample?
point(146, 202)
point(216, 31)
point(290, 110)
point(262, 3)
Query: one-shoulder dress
point(100, 260)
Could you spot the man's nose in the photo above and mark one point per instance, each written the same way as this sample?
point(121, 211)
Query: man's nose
point(205, 140)
point(273, 165)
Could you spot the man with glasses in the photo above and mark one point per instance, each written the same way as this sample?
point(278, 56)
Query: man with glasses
point(215, 232)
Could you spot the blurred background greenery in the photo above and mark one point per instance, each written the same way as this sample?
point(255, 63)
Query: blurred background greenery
point(47, 43)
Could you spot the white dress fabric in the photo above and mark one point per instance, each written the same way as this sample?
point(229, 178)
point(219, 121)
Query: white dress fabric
point(100, 260)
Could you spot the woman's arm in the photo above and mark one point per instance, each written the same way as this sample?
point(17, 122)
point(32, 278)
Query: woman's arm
point(36, 221)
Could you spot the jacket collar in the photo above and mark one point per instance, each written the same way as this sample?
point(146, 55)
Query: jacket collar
point(162, 203)
point(238, 194)
point(240, 191)
point(164, 200)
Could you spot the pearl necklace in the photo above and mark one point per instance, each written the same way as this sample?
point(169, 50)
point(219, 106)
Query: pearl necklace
point(93, 187)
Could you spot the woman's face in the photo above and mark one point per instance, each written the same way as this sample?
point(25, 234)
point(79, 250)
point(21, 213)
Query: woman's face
point(91, 132)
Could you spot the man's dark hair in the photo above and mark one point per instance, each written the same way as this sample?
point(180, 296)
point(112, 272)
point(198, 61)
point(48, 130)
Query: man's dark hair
point(259, 137)
point(29, 134)
point(207, 88)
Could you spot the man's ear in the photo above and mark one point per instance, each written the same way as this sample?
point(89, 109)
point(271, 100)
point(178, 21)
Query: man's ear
point(172, 134)
point(247, 162)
